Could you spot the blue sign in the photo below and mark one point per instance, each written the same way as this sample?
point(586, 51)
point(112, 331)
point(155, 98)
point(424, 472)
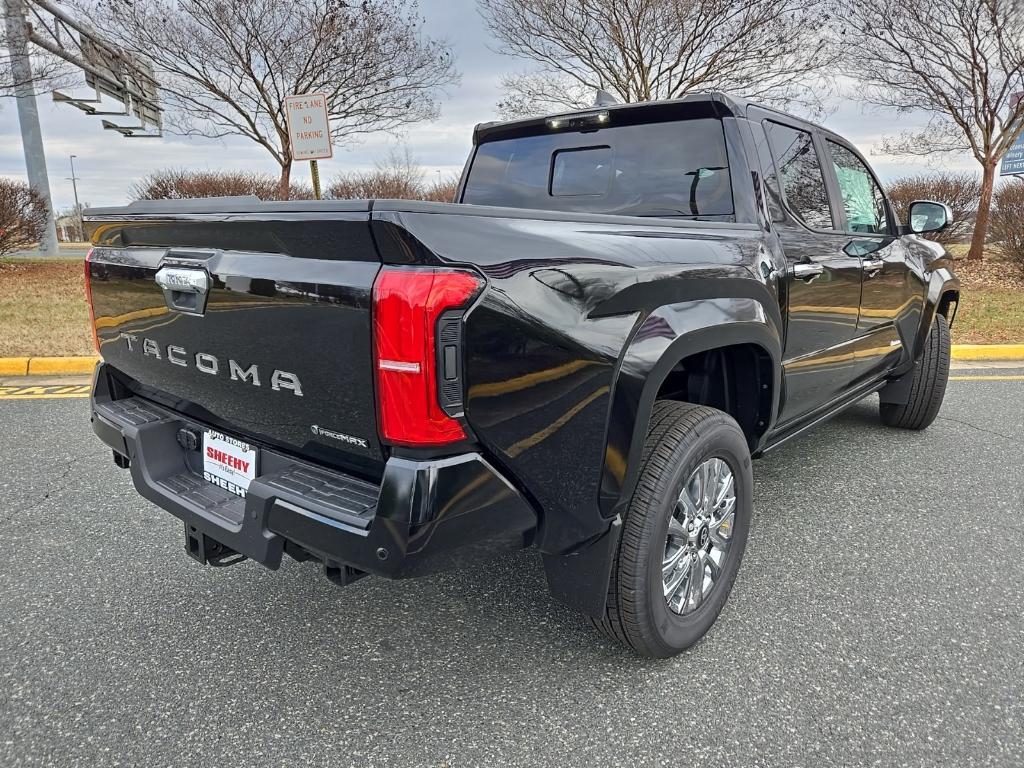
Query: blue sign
point(1013, 160)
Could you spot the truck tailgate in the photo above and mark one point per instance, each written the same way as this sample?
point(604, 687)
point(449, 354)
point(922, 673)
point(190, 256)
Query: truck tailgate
point(279, 350)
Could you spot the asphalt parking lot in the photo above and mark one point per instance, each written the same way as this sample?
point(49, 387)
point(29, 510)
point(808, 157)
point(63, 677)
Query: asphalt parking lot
point(877, 620)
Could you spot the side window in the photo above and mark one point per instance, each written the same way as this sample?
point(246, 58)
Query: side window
point(800, 175)
point(863, 200)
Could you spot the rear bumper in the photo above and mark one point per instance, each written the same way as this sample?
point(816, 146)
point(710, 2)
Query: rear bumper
point(423, 516)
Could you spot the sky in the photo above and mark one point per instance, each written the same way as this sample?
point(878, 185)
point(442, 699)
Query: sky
point(107, 164)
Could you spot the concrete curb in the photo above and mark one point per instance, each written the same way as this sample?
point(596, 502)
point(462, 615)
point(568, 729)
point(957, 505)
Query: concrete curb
point(70, 366)
point(988, 351)
point(46, 366)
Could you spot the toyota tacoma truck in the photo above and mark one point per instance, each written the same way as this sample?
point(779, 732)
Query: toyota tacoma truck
point(581, 354)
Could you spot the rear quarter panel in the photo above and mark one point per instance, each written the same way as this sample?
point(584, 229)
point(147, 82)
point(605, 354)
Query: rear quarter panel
point(547, 341)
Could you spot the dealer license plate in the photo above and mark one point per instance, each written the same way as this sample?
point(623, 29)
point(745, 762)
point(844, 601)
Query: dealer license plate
point(228, 462)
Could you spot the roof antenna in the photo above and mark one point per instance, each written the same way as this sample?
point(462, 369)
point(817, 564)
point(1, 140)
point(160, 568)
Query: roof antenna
point(604, 99)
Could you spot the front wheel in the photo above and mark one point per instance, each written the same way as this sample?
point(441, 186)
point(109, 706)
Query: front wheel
point(684, 532)
point(928, 385)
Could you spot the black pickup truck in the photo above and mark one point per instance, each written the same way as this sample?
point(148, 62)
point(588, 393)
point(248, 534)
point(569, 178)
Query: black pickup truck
point(581, 355)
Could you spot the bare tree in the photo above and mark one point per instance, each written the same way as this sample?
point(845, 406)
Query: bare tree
point(48, 71)
point(961, 63)
point(23, 216)
point(640, 50)
point(226, 66)
point(960, 191)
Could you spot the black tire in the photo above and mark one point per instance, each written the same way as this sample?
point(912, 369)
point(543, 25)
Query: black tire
point(928, 386)
point(680, 439)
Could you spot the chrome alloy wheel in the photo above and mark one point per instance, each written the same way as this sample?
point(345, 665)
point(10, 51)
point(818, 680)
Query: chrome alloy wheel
point(699, 535)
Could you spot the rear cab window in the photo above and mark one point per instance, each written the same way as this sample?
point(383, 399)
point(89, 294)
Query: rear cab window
point(800, 175)
point(677, 168)
point(586, 171)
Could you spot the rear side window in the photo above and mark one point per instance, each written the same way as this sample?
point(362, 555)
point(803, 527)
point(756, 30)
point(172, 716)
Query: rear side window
point(655, 169)
point(800, 175)
point(862, 198)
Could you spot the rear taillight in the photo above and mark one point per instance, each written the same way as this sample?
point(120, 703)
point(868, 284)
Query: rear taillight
point(407, 307)
point(88, 300)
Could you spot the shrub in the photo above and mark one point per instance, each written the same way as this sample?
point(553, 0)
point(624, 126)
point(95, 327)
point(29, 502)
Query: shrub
point(374, 184)
point(960, 191)
point(1006, 226)
point(22, 216)
point(443, 190)
point(181, 183)
point(397, 178)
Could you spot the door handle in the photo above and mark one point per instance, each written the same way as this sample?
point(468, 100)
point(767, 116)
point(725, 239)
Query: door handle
point(807, 271)
point(872, 266)
point(185, 288)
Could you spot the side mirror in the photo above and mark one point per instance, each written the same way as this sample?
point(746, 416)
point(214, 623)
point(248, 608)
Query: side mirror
point(926, 216)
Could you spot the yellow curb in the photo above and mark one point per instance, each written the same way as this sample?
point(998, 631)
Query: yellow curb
point(988, 351)
point(46, 366)
point(13, 366)
point(69, 366)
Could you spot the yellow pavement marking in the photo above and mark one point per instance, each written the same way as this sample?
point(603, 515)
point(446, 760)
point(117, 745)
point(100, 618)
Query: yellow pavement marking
point(44, 397)
point(54, 392)
point(992, 377)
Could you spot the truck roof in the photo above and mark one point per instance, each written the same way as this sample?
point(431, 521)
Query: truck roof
point(706, 103)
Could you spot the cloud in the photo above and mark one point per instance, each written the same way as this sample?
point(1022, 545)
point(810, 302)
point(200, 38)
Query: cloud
point(107, 164)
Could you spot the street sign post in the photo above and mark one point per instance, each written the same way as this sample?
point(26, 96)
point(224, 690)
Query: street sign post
point(310, 131)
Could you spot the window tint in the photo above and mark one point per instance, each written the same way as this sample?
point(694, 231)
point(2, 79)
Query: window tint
point(582, 172)
point(654, 169)
point(800, 175)
point(862, 198)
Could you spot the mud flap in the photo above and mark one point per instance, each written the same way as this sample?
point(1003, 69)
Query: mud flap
point(897, 391)
point(580, 579)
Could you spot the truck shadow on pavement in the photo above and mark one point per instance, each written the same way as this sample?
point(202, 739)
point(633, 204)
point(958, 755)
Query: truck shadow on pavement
point(502, 608)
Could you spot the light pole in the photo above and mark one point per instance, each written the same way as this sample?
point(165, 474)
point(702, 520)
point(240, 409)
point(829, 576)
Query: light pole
point(28, 115)
point(78, 208)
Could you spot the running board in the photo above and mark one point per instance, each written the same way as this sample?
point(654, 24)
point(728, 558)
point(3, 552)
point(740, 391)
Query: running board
point(827, 412)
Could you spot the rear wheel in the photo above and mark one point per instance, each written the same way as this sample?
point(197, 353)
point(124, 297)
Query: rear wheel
point(684, 533)
point(928, 386)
